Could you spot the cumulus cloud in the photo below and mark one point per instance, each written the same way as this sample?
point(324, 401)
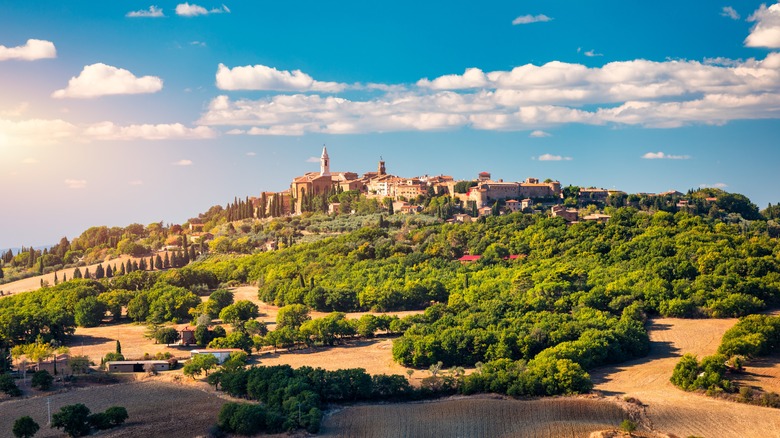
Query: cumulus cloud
point(53, 131)
point(152, 12)
point(528, 19)
point(539, 134)
point(530, 97)
point(729, 12)
point(193, 10)
point(101, 80)
point(663, 156)
point(75, 183)
point(551, 157)
point(182, 162)
point(261, 77)
point(32, 50)
point(111, 131)
point(766, 31)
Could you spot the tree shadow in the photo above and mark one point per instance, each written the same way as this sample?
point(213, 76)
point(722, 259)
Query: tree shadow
point(87, 340)
point(658, 350)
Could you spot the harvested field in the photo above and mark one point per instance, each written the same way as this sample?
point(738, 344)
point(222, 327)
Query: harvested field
point(763, 372)
point(671, 410)
point(96, 342)
point(375, 356)
point(156, 409)
point(476, 417)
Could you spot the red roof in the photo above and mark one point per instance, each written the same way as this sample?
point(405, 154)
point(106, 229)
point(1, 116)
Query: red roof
point(470, 258)
point(484, 173)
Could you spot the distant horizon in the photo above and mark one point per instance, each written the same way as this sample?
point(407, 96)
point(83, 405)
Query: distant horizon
point(124, 113)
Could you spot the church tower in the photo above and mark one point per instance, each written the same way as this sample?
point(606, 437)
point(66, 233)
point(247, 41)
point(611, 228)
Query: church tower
point(324, 162)
point(381, 170)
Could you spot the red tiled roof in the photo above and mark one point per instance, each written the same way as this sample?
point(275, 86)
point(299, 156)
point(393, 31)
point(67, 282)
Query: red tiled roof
point(470, 258)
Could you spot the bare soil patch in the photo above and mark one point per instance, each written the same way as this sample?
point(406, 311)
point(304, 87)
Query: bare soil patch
point(476, 417)
point(672, 410)
point(156, 409)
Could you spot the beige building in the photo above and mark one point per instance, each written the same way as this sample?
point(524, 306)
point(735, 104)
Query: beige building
point(487, 191)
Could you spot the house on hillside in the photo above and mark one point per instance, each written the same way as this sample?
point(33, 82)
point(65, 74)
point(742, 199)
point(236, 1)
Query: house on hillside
point(187, 336)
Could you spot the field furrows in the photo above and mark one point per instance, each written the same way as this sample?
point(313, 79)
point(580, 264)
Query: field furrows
point(476, 417)
point(155, 409)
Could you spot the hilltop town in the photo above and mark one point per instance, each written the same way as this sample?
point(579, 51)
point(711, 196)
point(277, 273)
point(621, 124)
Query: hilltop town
point(482, 196)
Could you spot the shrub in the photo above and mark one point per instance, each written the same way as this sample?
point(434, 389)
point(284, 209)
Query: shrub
point(628, 426)
point(25, 427)
point(116, 415)
point(8, 385)
point(99, 421)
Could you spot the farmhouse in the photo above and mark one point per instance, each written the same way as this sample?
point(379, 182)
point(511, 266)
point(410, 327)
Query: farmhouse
point(136, 366)
point(222, 354)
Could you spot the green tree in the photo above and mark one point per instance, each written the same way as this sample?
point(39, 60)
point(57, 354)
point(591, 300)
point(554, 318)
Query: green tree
point(116, 415)
point(238, 313)
point(8, 386)
point(89, 312)
point(42, 380)
point(25, 427)
point(292, 316)
point(72, 419)
point(167, 335)
point(199, 364)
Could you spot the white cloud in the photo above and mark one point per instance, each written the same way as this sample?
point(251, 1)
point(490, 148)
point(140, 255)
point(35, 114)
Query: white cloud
point(729, 12)
point(193, 10)
point(251, 154)
point(528, 19)
point(663, 156)
point(136, 182)
point(16, 111)
point(75, 183)
point(313, 160)
point(551, 157)
point(53, 131)
point(718, 185)
point(539, 134)
point(32, 50)
point(472, 78)
point(152, 12)
point(592, 53)
point(198, 43)
point(165, 131)
point(260, 77)
point(643, 93)
point(100, 80)
point(766, 31)
point(182, 162)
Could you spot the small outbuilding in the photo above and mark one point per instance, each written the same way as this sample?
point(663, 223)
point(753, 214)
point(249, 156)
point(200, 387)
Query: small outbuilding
point(222, 354)
point(136, 366)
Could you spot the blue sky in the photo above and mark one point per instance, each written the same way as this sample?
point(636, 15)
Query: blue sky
point(120, 112)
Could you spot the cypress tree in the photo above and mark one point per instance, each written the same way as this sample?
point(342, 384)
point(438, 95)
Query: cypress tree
point(142, 265)
point(192, 253)
point(151, 263)
point(64, 277)
point(166, 261)
point(1, 272)
point(86, 273)
point(158, 264)
point(77, 273)
point(55, 278)
point(122, 271)
point(109, 272)
point(135, 265)
point(99, 272)
point(129, 267)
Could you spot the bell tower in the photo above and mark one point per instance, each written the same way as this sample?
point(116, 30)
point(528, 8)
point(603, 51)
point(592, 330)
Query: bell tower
point(381, 169)
point(324, 162)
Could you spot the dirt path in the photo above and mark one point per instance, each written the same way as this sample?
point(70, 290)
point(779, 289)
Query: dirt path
point(671, 410)
point(34, 283)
